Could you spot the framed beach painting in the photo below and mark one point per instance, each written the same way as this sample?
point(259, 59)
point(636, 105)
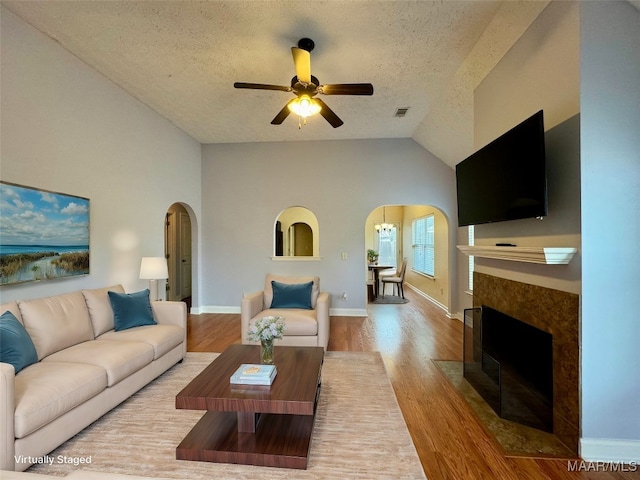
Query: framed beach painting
point(43, 235)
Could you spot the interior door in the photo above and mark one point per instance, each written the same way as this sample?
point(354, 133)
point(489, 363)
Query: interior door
point(171, 252)
point(185, 255)
point(303, 240)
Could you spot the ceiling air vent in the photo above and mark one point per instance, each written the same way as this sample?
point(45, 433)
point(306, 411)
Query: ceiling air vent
point(401, 112)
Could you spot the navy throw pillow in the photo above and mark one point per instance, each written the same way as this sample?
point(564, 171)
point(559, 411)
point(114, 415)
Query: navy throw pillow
point(291, 295)
point(131, 309)
point(16, 346)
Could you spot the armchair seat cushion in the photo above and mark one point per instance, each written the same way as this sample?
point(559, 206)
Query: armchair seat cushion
point(298, 321)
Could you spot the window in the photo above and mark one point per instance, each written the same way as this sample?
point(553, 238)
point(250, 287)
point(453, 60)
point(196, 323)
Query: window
point(471, 242)
point(424, 245)
point(387, 241)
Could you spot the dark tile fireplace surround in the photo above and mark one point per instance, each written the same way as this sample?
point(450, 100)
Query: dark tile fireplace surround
point(547, 324)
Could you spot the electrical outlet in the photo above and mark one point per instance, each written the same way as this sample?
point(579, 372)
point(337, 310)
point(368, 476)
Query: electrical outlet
point(344, 296)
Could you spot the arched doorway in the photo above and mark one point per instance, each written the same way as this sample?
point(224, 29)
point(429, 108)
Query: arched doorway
point(402, 243)
point(178, 251)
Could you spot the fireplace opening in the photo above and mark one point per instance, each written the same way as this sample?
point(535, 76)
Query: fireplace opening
point(510, 364)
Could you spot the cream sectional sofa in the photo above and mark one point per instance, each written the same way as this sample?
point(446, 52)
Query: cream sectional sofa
point(84, 368)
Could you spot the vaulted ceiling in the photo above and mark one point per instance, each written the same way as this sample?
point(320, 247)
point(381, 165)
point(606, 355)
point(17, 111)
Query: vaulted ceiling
point(182, 58)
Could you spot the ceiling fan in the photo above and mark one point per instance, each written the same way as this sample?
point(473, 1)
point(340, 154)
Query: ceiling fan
point(305, 87)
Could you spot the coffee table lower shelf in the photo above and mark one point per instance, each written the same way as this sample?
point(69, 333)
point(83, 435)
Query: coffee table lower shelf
point(215, 438)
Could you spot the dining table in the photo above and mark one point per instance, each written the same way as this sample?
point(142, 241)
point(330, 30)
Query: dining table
point(376, 276)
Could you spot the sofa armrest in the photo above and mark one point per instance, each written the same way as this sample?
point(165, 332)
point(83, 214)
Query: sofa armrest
point(323, 305)
point(7, 413)
point(172, 313)
point(252, 304)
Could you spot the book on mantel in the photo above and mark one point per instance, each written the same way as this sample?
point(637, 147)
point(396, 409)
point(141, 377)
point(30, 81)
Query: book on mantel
point(252, 374)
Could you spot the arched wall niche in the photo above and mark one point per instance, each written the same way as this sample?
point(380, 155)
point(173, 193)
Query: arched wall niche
point(296, 235)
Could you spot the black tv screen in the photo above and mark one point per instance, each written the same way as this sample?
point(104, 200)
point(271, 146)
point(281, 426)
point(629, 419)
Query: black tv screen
point(506, 179)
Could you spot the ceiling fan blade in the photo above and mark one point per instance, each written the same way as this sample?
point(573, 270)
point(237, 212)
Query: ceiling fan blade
point(329, 114)
point(282, 114)
point(348, 89)
point(302, 62)
point(262, 86)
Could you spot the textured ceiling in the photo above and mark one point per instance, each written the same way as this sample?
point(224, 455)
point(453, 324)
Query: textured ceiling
point(182, 58)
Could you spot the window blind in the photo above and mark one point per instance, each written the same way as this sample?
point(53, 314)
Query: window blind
point(423, 232)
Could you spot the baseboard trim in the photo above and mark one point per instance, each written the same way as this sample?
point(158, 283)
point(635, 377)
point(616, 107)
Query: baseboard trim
point(348, 312)
point(338, 312)
point(441, 306)
point(610, 450)
point(215, 309)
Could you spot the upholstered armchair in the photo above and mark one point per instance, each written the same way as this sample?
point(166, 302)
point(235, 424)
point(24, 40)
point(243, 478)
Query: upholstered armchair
point(299, 300)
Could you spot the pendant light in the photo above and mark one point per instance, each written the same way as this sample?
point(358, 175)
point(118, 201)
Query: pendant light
point(384, 226)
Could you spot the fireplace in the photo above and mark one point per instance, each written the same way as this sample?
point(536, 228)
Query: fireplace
point(510, 364)
point(554, 312)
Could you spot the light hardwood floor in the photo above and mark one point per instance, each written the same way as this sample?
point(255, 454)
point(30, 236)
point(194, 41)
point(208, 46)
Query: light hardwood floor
point(450, 441)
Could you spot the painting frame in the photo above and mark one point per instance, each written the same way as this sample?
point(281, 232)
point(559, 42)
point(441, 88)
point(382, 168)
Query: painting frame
point(44, 235)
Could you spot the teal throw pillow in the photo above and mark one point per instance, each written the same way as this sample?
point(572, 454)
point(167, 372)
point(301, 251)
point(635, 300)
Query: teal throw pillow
point(16, 346)
point(131, 309)
point(291, 295)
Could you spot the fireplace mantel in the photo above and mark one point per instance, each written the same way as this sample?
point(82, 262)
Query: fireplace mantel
point(543, 255)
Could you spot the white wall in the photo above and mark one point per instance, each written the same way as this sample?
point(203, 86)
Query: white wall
point(245, 186)
point(68, 129)
point(541, 71)
point(588, 52)
point(610, 145)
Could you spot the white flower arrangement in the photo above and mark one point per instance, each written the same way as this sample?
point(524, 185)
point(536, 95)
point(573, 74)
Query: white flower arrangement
point(267, 328)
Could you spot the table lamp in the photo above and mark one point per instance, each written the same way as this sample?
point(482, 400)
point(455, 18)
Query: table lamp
point(154, 269)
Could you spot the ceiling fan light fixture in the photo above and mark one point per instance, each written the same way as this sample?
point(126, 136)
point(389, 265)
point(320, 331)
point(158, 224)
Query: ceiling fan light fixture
point(304, 106)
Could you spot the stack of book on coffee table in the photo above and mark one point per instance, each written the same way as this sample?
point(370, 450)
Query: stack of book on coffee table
point(253, 374)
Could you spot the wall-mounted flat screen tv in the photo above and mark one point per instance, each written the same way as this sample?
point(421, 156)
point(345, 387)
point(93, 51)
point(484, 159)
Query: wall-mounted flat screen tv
point(506, 179)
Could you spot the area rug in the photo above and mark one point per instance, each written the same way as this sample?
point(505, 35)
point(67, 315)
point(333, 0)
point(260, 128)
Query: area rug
point(389, 300)
point(515, 439)
point(359, 431)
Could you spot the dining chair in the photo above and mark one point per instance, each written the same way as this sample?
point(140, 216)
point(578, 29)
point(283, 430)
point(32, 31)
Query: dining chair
point(397, 279)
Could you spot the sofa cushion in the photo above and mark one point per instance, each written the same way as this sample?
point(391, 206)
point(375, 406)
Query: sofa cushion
point(16, 346)
point(268, 288)
point(298, 321)
point(291, 295)
point(13, 308)
point(55, 323)
point(46, 390)
point(100, 310)
point(131, 309)
point(162, 338)
point(119, 359)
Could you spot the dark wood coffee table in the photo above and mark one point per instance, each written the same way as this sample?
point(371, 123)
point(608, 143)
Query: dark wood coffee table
point(254, 425)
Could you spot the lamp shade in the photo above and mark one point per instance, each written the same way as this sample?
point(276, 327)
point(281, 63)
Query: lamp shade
point(154, 268)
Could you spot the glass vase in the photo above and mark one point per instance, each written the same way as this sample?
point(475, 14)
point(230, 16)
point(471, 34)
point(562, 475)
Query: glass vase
point(266, 352)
